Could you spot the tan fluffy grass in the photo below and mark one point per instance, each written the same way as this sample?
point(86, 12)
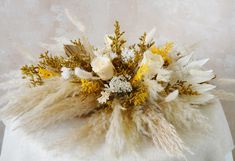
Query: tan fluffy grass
point(89, 135)
point(152, 124)
point(63, 110)
point(39, 98)
point(184, 117)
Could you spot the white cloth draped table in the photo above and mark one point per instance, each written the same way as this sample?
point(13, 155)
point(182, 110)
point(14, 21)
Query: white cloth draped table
point(214, 147)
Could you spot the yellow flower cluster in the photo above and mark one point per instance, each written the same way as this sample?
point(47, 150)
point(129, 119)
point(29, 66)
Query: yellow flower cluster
point(139, 97)
point(140, 73)
point(89, 86)
point(163, 51)
point(44, 73)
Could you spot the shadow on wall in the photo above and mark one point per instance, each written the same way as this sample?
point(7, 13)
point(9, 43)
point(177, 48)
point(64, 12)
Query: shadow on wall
point(2, 127)
point(230, 117)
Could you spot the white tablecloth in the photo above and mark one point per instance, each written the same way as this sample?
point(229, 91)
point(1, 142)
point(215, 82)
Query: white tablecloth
point(217, 147)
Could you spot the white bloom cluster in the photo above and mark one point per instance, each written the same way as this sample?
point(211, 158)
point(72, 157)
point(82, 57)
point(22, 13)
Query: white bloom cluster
point(104, 97)
point(119, 85)
point(116, 85)
point(127, 55)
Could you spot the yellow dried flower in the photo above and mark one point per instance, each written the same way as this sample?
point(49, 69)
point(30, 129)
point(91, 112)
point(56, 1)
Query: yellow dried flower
point(163, 51)
point(140, 73)
point(139, 97)
point(90, 86)
point(44, 73)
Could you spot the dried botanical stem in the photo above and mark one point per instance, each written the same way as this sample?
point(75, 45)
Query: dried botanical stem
point(32, 73)
point(53, 63)
point(77, 56)
point(117, 40)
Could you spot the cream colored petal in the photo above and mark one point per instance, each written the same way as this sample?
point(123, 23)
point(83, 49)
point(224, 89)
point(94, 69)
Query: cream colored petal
point(172, 96)
point(82, 73)
point(164, 75)
point(103, 67)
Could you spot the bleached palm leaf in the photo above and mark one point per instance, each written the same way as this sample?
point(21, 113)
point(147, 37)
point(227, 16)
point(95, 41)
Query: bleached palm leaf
point(199, 76)
point(197, 64)
point(198, 99)
point(184, 60)
point(202, 88)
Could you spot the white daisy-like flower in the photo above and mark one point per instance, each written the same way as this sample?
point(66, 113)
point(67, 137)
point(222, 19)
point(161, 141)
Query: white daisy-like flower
point(127, 54)
point(66, 73)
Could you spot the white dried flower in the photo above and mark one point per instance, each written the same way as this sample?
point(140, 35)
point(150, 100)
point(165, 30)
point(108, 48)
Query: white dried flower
point(66, 73)
point(103, 67)
point(116, 85)
point(104, 97)
point(127, 54)
point(119, 84)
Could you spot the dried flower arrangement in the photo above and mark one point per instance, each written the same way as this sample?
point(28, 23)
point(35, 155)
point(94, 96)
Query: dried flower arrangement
point(127, 93)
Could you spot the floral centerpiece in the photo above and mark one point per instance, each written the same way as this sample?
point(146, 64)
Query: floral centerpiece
point(127, 93)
